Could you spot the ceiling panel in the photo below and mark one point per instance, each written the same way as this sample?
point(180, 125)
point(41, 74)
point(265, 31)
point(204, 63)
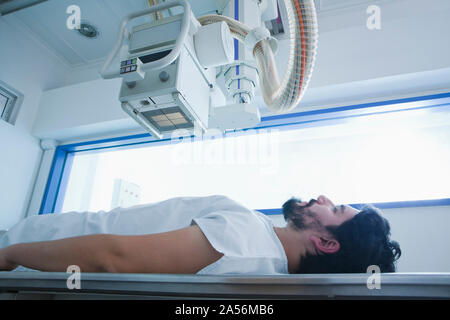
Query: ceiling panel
point(325, 5)
point(47, 22)
point(9, 6)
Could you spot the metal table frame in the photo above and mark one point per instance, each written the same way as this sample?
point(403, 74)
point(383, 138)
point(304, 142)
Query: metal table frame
point(49, 285)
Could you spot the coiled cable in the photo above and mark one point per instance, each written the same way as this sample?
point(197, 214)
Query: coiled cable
point(282, 96)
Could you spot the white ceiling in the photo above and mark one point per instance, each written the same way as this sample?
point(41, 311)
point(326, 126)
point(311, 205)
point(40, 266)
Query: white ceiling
point(47, 23)
point(327, 5)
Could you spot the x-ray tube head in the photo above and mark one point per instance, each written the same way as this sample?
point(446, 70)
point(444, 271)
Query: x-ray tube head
point(168, 67)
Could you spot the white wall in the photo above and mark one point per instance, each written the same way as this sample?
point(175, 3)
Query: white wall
point(80, 110)
point(29, 68)
point(424, 237)
point(412, 38)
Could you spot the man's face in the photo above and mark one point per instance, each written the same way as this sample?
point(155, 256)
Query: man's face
point(318, 213)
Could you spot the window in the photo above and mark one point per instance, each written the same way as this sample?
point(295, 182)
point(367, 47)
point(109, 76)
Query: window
point(387, 156)
point(8, 105)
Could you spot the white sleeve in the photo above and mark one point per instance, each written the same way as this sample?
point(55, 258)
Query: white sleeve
point(245, 241)
point(223, 231)
point(237, 233)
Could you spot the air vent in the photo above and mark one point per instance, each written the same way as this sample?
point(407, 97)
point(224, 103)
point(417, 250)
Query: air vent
point(88, 30)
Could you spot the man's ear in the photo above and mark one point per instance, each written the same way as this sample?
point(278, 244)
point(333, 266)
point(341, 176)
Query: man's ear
point(325, 245)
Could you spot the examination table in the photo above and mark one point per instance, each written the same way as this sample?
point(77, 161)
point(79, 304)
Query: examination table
point(53, 285)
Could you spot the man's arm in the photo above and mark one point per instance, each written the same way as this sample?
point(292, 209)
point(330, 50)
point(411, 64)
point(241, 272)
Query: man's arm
point(185, 250)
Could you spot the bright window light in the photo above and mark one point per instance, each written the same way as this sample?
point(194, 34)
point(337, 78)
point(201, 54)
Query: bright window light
point(388, 157)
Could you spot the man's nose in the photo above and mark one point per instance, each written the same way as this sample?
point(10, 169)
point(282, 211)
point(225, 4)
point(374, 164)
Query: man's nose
point(324, 200)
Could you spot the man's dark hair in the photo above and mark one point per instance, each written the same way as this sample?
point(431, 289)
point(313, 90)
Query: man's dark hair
point(364, 241)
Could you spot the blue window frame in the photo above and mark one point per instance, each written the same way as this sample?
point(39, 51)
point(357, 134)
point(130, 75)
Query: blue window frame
point(58, 177)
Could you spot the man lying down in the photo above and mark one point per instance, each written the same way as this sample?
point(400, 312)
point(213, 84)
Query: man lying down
point(204, 235)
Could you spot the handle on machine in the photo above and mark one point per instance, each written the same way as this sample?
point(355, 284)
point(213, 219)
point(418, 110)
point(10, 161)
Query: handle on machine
point(158, 64)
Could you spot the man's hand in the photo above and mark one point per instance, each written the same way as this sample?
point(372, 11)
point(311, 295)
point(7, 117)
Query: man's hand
point(5, 264)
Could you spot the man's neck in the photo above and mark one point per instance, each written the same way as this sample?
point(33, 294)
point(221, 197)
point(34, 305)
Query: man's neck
point(293, 244)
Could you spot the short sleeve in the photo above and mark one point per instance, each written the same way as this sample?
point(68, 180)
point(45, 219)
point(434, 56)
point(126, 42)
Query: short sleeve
point(223, 229)
point(245, 240)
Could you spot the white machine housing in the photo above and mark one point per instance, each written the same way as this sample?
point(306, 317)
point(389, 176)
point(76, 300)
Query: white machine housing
point(168, 67)
point(167, 99)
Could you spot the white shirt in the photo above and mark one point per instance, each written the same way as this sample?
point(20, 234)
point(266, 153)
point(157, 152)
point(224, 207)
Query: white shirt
point(245, 237)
